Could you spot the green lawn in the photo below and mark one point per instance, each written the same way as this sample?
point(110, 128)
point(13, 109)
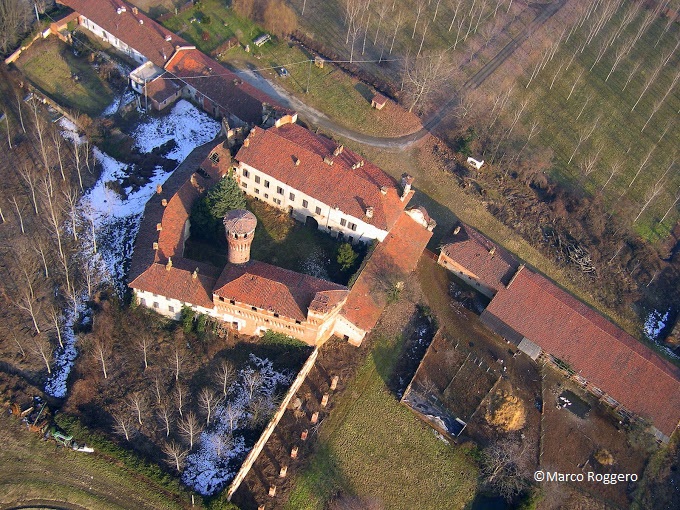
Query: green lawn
point(371, 446)
point(50, 65)
point(213, 24)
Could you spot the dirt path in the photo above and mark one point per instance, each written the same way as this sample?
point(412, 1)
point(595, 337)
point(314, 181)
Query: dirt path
point(318, 119)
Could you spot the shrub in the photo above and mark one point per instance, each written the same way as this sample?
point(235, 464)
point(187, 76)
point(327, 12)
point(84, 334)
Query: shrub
point(346, 256)
point(187, 317)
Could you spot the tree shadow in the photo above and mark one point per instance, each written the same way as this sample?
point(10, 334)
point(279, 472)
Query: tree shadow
point(365, 91)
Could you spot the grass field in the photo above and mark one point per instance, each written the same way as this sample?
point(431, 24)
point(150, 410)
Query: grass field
point(50, 65)
point(372, 446)
point(39, 470)
point(618, 136)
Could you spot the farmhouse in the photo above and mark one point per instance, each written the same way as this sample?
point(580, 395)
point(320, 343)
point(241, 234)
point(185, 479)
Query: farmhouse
point(546, 322)
point(320, 182)
point(171, 68)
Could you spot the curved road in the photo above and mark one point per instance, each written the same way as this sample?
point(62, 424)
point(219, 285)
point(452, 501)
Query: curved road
point(318, 119)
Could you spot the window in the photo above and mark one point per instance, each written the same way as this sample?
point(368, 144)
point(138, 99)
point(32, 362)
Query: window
point(257, 179)
point(171, 309)
point(246, 173)
point(279, 190)
point(244, 185)
point(266, 184)
point(305, 204)
point(276, 315)
point(214, 157)
point(232, 302)
point(142, 301)
point(266, 195)
point(155, 304)
point(257, 191)
point(291, 197)
point(318, 210)
point(253, 308)
point(277, 201)
point(221, 298)
point(351, 226)
point(343, 222)
point(298, 322)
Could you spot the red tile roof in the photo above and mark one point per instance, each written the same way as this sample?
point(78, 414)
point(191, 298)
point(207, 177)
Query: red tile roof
point(599, 351)
point(391, 261)
point(148, 38)
point(379, 99)
point(277, 290)
point(174, 218)
point(472, 250)
point(275, 150)
point(178, 282)
point(220, 85)
point(163, 87)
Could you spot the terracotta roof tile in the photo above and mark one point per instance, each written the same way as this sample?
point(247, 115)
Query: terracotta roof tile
point(595, 348)
point(472, 250)
point(276, 289)
point(148, 38)
point(391, 261)
point(275, 150)
point(163, 87)
point(178, 282)
point(220, 85)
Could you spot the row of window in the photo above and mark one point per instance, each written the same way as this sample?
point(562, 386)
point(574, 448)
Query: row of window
point(291, 197)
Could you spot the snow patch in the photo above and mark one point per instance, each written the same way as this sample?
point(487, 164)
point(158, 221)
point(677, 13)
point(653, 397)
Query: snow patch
point(127, 97)
point(223, 446)
point(655, 323)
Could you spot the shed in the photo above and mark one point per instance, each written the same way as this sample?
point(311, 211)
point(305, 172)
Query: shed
point(378, 102)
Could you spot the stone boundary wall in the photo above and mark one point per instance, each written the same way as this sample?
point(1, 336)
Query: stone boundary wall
point(257, 448)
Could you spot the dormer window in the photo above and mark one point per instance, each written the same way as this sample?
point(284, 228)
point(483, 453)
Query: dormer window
point(215, 158)
point(232, 302)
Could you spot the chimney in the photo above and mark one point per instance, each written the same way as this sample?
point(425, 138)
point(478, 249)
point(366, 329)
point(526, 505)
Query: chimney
point(456, 230)
point(297, 160)
point(168, 38)
point(246, 142)
point(159, 227)
point(141, 21)
point(383, 190)
point(328, 161)
point(159, 189)
point(135, 10)
point(195, 274)
point(168, 266)
point(492, 251)
point(164, 202)
point(338, 150)
point(406, 181)
point(369, 212)
point(155, 246)
point(361, 163)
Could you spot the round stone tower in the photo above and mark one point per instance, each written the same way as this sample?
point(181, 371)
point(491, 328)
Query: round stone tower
point(240, 227)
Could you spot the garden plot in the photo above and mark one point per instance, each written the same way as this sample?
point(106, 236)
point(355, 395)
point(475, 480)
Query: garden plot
point(450, 384)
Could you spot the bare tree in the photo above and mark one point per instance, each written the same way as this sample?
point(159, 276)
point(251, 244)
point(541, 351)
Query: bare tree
point(614, 169)
point(502, 467)
point(42, 347)
point(382, 8)
point(180, 397)
point(643, 164)
point(232, 413)
point(123, 425)
point(165, 416)
point(260, 409)
point(55, 317)
point(651, 79)
point(176, 455)
point(456, 7)
point(252, 380)
point(421, 76)
point(31, 180)
point(101, 350)
point(397, 25)
point(225, 375)
point(189, 427)
point(208, 400)
point(28, 303)
point(19, 210)
point(352, 10)
point(677, 199)
point(177, 360)
point(144, 342)
point(420, 5)
point(633, 72)
point(650, 196)
point(138, 404)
